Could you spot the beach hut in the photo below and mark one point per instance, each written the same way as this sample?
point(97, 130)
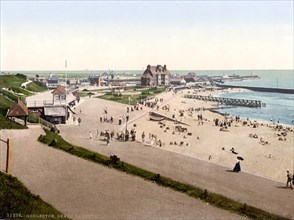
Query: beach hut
point(19, 110)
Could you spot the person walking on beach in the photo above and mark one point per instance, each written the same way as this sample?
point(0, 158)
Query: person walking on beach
point(237, 167)
point(289, 180)
point(107, 135)
point(143, 137)
point(90, 135)
point(293, 178)
point(79, 121)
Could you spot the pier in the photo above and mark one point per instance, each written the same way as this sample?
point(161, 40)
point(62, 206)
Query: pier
point(228, 101)
point(260, 89)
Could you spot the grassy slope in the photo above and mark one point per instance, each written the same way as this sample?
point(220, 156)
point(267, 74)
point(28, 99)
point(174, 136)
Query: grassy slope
point(8, 81)
point(14, 82)
point(16, 198)
point(9, 95)
point(21, 91)
point(36, 87)
point(217, 200)
point(4, 105)
point(6, 123)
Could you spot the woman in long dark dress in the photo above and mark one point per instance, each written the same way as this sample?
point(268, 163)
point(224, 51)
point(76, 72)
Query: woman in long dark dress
point(237, 167)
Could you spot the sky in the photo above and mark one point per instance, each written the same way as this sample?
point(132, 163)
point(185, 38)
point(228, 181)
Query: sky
point(129, 35)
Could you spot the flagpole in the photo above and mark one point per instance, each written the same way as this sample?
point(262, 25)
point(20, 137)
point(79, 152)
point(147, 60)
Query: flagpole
point(65, 64)
point(66, 110)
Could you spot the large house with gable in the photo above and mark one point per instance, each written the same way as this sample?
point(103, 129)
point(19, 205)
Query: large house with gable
point(156, 76)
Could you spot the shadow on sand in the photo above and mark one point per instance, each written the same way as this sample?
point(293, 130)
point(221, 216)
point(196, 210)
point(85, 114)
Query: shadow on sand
point(282, 187)
point(231, 171)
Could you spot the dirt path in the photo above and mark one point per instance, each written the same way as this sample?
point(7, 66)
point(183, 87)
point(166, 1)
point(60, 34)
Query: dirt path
point(84, 190)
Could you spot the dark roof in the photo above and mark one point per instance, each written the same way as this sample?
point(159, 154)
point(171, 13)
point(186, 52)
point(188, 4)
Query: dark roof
point(189, 78)
point(155, 70)
point(18, 109)
point(59, 90)
point(94, 77)
point(53, 79)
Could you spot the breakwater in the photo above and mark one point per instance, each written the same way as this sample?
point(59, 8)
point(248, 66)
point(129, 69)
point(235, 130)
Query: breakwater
point(228, 101)
point(260, 89)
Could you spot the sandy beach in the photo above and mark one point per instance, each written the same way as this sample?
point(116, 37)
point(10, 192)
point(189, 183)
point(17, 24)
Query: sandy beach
point(264, 154)
point(256, 142)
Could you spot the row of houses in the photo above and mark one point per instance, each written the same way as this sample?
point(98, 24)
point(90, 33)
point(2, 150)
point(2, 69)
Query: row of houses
point(157, 75)
point(161, 76)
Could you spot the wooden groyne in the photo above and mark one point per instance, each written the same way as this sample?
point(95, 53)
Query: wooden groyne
point(260, 89)
point(228, 101)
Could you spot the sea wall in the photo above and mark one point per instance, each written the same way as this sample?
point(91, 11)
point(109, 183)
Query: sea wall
point(261, 89)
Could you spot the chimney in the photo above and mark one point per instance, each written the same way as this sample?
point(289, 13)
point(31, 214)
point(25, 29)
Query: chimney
point(157, 68)
point(164, 68)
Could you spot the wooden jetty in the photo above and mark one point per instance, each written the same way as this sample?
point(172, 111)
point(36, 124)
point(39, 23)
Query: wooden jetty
point(228, 101)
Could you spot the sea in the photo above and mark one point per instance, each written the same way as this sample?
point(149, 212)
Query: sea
point(279, 107)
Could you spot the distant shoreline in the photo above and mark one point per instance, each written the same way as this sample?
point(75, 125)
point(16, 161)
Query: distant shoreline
point(106, 70)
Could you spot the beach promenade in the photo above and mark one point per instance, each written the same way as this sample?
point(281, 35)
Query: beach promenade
point(244, 187)
point(83, 190)
point(79, 187)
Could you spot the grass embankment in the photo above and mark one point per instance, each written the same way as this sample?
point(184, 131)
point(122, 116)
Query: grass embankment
point(11, 94)
point(56, 141)
point(36, 87)
point(16, 201)
point(132, 99)
point(9, 81)
point(5, 103)
point(6, 123)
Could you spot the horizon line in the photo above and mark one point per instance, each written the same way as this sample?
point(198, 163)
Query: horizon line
point(3, 71)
